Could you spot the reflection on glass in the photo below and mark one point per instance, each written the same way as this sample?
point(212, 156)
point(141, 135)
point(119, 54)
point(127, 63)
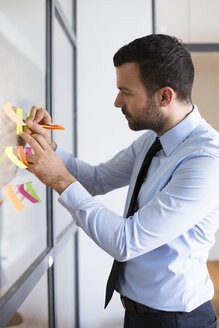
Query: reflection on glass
point(68, 9)
point(193, 21)
point(22, 83)
point(34, 311)
point(63, 109)
point(66, 286)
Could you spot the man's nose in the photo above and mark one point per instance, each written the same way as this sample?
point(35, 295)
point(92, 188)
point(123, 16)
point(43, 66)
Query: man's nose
point(117, 102)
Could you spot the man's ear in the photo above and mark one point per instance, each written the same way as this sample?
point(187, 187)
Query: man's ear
point(166, 95)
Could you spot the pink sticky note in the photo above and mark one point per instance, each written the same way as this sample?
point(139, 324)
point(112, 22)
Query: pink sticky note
point(28, 151)
point(26, 194)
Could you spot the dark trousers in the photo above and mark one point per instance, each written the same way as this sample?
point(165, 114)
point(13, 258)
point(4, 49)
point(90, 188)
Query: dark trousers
point(202, 317)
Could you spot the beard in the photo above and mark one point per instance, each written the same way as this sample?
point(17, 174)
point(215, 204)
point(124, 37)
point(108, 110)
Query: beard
point(149, 118)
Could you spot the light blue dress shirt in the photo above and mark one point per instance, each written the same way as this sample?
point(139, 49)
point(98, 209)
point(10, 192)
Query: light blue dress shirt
point(165, 244)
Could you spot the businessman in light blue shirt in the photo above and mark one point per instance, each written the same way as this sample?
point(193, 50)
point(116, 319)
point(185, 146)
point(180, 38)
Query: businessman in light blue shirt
point(163, 278)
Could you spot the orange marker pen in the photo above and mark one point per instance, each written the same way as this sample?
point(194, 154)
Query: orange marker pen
point(52, 126)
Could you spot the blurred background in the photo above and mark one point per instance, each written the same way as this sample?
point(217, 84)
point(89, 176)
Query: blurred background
point(58, 54)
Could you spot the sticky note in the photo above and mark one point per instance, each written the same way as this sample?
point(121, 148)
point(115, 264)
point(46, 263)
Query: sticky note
point(23, 192)
point(22, 156)
point(28, 151)
point(13, 158)
point(11, 114)
point(3, 158)
point(31, 190)
point(13, 198)
point(19, 112)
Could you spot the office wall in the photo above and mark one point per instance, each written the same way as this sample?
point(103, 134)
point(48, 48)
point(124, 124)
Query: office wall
point(103, 27)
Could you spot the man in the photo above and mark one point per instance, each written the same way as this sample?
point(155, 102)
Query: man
point(160, 248)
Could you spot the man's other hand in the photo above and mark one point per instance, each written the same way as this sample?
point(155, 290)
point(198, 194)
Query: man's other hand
point(46, 165)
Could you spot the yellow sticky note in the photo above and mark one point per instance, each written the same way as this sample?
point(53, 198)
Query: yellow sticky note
point(13, 198)
point(11, 114)
point(13, 158)
point(3, 158)
point(19, 112)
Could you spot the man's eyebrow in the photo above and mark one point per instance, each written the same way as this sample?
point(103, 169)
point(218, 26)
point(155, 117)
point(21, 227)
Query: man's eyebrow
point(124, 88)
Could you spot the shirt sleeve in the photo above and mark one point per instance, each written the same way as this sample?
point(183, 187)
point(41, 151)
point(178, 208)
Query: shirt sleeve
point(190, 195)
point(104, 177)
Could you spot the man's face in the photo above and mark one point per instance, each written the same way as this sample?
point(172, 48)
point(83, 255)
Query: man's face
point(141, 111)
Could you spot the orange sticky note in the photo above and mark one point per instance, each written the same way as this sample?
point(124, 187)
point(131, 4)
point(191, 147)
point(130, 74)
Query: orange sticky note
point(22, 156)
point(13, 198)
point(11, 114)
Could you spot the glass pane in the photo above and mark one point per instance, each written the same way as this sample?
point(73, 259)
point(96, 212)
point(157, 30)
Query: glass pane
point(193, 21)
point(68, 9)
point(34, 311)
point(22, 83)
point(206, 86)
point(63, 109)
point(66, 286)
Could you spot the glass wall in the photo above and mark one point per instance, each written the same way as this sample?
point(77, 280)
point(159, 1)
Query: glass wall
point(34, 311)
point(22, 83)
point(66, 286)
point(37, 236)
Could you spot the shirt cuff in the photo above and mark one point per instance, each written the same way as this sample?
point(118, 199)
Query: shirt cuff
point(73, 196)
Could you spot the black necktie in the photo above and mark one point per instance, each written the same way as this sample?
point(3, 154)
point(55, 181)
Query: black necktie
point(156, 146)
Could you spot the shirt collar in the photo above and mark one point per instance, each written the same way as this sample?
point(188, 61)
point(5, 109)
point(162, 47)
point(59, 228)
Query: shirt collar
point(176, 135)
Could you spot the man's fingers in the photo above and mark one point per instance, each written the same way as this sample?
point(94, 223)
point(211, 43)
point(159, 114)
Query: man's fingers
point(30, 158)
point(32, 113)
point(34, 127)
point(42, 142)
point(36, 141)
point(32, 142)
point(39, 115)
point(42, 116)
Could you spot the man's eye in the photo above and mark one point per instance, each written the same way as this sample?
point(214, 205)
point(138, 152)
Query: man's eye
point(125, 93)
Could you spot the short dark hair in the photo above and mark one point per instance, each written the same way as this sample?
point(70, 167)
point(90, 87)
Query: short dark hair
point(163, 61)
